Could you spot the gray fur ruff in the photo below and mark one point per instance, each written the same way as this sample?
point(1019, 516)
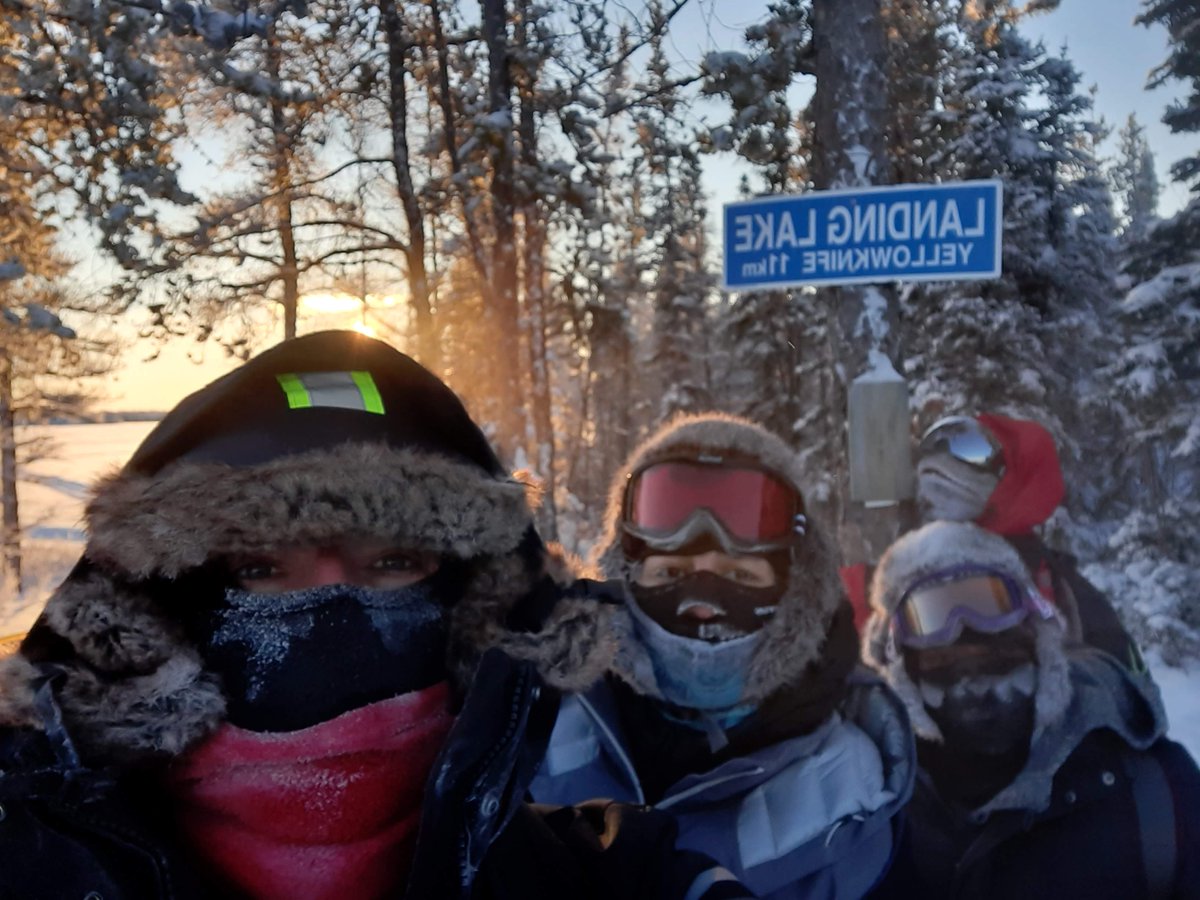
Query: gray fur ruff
point(943, 545)
point(795, 636)
point(135, 688)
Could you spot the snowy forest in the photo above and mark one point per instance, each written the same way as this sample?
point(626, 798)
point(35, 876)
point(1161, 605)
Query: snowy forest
point(525, 176)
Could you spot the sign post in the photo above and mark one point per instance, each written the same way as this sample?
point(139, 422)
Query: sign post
point(930, 232)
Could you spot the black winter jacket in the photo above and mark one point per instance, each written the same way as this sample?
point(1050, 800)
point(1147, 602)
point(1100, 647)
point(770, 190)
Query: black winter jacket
point(1105, 807)
point(1088, 843)
point(67, 830)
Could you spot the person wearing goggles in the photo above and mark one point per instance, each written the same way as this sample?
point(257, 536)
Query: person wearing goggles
point(1045, 770)
point(1003, 474)
point(731, 702)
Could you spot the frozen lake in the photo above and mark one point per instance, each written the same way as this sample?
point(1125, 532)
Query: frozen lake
point(52, 491)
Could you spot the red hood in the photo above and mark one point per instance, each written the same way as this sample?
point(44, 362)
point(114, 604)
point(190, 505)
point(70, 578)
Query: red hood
point(1032, 485)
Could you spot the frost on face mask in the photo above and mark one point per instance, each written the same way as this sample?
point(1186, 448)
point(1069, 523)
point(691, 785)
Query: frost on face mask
point(984, 713)
point(293, 659)
point(1020, 682)
point(708, 607)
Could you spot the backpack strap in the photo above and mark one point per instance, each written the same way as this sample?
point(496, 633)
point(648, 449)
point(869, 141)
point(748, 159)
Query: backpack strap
point(1155, 808)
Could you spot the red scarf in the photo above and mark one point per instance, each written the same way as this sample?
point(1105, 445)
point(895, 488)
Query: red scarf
point(328, 811)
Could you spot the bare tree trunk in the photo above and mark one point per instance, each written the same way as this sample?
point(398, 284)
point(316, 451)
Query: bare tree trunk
point(850, 120)
point(281, 163)
point(534, 270)
point(399, 44)
point(505, 310)
point(10, 563)
point(449, 117)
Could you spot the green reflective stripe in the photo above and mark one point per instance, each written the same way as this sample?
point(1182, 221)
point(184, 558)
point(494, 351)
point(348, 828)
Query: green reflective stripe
point(338, 390)
point(372, 401)
point(297, 393)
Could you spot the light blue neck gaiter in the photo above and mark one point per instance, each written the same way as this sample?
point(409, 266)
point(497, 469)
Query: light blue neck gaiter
point(695, 674)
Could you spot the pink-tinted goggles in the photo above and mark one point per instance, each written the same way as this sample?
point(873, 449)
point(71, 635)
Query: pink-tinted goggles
point(754, 507)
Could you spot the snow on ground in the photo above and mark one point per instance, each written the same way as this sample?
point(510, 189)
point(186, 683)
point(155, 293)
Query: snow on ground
point(53, 492)
point(1181, 695)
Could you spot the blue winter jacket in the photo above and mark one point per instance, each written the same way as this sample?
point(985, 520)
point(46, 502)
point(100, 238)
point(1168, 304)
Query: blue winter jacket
point(815, 816)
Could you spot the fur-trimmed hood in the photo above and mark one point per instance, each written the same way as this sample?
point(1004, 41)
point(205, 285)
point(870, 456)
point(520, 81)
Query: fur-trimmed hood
point(130, 683)
point(796, 636)
point(940, 546)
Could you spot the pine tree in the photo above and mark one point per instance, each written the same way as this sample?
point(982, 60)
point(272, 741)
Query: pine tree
point(1157, 378)
point(1134, 181)
point(769, 339)
point(1180, 18)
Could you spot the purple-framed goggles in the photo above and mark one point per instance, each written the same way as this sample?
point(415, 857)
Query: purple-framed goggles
point(935, 609)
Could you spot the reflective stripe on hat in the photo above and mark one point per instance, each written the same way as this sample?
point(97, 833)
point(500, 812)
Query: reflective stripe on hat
point(343, 390)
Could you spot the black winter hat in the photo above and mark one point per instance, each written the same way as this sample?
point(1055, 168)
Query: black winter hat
point(322, 437)
point(314, 392)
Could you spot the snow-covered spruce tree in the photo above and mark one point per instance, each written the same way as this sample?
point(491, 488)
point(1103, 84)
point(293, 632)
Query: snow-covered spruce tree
point(1134, 182)
point(774, 344)
point(599, 280)
point(993, 127)
point(1076, 327)
point(1156, 551)
point(919, 39)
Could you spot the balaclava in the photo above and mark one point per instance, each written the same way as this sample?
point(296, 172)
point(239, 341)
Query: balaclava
point(951, 490)
point(793, 648)
point(327, 437)
point(1025, 661)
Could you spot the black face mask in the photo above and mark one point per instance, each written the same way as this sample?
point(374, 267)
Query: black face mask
point(983, 706)
point(989, 725)
point(291, 660)
point(744, 610)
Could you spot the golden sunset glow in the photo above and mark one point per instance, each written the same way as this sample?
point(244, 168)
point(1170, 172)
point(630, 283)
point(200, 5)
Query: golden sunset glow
point(330, 303)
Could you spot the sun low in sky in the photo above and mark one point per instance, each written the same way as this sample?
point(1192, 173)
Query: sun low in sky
point(156, 377)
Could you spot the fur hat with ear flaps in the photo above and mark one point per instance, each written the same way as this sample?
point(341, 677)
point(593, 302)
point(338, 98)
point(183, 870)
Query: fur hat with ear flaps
point(797, 639)
point(937, 547)
point(325, 437)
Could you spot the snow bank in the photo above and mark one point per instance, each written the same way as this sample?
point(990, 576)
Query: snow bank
point(1181, 695)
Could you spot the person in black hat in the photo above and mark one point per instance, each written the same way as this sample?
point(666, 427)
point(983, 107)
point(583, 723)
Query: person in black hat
point(312, 649)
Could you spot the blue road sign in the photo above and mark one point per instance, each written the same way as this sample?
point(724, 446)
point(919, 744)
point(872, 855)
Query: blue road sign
point(909, 232)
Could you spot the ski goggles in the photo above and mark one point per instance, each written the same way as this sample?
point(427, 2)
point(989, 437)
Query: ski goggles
point(934, 611)
point(966, 440)
point(747, 509)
